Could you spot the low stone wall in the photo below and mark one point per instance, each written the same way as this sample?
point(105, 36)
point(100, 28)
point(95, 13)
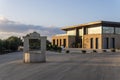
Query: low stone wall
point(79, 50)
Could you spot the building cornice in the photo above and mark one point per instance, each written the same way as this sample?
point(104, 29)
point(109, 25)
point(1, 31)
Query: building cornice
point(103, 23)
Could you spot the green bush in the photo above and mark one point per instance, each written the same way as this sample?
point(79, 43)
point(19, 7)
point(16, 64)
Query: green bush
point(118, 48)
point(10, 44)
point(48, 45)
point(67, 51)
point(104, 50)
point(59, 49)
point(94, 51)
point(83, 51)
point(113, 50)
point(55, 48)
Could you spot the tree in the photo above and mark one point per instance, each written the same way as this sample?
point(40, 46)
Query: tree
point(48, 45)
point(1, 46)
point(10, 44)
point(13, 43)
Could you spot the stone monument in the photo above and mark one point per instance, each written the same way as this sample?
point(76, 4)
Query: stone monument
point(34, 48)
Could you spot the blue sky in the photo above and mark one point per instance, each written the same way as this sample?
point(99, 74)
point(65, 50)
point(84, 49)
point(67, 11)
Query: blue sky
point(59, 13)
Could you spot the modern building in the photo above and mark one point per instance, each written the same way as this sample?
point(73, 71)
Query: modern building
point(93, 35)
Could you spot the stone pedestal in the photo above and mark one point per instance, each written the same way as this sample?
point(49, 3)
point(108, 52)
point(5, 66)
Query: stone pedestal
point(34, 55)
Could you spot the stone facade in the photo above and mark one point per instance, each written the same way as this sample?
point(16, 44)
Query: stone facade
point(86, 41)
point(110, 36)
point(93, 35)
point(59, 40)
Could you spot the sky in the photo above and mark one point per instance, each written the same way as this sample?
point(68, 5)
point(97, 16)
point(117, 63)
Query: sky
point(20, 17)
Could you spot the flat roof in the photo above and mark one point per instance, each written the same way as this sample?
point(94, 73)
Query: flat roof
point(104, 23)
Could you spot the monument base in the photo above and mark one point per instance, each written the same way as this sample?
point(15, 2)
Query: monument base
point(34, 57)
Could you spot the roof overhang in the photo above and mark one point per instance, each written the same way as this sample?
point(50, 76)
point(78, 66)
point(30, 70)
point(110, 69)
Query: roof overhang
point(102, 23)
point(81, 25)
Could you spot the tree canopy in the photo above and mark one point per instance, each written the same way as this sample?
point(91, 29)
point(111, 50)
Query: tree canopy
point(10, 44)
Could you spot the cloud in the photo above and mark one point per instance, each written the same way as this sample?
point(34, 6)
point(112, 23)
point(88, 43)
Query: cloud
point(12, 28)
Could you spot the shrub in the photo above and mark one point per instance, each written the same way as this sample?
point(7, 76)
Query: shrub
point(59, 49)
point(113, 50)
point(55, 47)
point(67, 51)
point(104, 50)
point(118, 48)
point(94, 51)
point(83, 51)
point(49, 45)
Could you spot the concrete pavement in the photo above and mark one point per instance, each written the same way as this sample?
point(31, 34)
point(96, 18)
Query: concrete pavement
point(62, 67)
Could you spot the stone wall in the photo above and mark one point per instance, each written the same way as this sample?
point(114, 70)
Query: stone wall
point(117, 39)
point(69, 40)
point(86, 41)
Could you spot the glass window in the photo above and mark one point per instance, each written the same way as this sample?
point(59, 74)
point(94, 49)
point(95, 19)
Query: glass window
point(91, 43)
point(106, 43)
point(108, 29)
point(60, 42)
point(57, 42)
point(53, 41)
point(112, 43)
point(85, 30)
point(117, 30)
point(64, 42)
point(97, 43)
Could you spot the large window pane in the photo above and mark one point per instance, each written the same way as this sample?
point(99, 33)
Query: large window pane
point(91, 43)
point(97, 43)
point(108, 29)
point(105, 43)
point(117, 30)
point(112, 43)
point(64, 42)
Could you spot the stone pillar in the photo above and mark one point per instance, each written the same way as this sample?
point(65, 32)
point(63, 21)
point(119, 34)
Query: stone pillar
point(43, 48)
point(26, 44)
point(26, 49)
point(43, 44)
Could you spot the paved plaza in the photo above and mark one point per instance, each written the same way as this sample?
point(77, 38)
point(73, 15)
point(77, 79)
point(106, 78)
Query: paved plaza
point(94, 66)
